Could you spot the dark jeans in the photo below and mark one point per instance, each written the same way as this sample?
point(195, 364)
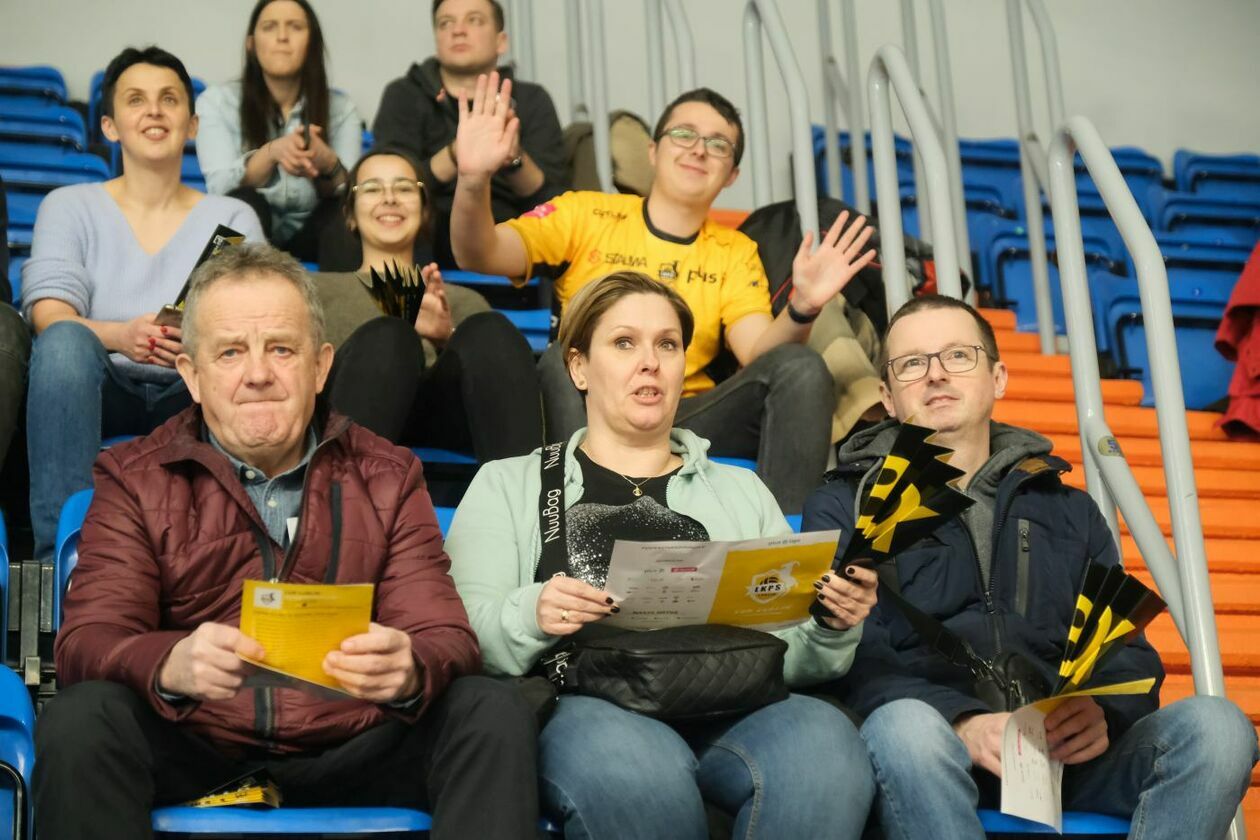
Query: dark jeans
point(15, 348)
point(305, 243)
point(105, 758)
point(777, 410)
point(76, 396)
point(480, 395)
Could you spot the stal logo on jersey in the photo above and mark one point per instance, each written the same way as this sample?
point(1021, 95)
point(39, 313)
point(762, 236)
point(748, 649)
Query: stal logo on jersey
point(669, 271)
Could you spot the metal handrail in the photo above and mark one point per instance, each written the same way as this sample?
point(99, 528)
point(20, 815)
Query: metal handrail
point(521, 41)
point(585, 31)
point(660, 13)
point(1032, 154)
point(684, 44)
point(1183, 579)
point(890, 68)
point(574, 41)
point(845, 96)
point(947, 126)
point(764, 15)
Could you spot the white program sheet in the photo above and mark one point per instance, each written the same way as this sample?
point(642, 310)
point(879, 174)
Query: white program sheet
point(763, 583)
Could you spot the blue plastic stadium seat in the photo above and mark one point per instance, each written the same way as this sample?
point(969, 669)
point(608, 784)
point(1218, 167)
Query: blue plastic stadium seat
point(1231, 177)
point(445, 516)
point(36, 82)
point(1188, 213)
point(1074, 823)
point(322, 822)
point(45, 166)
point(17, 753)
point(429, 455)
point(4, 588)
point(534, 324)
point(18, 130)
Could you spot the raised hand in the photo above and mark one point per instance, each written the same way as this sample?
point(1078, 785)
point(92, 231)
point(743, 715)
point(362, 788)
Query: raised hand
point(433, 321)
point(819, 276)
point(487, 133)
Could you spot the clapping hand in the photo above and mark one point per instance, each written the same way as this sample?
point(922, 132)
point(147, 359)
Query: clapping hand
point(434, 319)
point(819, 276)
point(488, 132)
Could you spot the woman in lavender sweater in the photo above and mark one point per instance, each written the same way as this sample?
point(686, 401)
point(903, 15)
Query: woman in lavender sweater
point(104, 259)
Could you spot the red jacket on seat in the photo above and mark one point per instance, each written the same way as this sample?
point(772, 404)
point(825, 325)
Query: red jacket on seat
point(170, 537)
point(1238, 339)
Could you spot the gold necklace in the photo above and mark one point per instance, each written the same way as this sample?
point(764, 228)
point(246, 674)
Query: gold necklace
point(637, 492)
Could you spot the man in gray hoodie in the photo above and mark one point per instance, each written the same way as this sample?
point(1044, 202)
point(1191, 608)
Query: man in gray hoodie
point(419, 113)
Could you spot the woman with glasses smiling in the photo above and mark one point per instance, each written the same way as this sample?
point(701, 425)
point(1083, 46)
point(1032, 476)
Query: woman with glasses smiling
point(462, 376)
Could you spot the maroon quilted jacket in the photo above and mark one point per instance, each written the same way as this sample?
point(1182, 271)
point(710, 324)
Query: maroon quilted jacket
point(171, 535)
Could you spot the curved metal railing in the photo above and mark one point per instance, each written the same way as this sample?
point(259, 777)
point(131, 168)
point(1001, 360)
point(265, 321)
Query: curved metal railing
point(764, 16)
point(890, 72)
point(842, 92)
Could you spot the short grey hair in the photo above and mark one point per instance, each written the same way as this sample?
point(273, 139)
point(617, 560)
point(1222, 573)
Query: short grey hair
point(247, 262)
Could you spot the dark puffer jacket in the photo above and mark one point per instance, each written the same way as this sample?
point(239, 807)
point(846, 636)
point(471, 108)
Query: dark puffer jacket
point(1044, 533)
point(172, 534)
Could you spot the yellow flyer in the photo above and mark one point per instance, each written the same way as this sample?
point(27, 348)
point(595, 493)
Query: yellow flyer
point(298, 625)
point(765, 584)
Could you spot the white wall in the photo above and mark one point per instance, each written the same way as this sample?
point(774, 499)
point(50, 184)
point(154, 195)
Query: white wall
point(1160, 74)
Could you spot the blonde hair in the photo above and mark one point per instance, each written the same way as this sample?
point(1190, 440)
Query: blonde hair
point(582, 314)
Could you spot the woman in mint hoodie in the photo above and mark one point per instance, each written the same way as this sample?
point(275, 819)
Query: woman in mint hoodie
point(791, 769)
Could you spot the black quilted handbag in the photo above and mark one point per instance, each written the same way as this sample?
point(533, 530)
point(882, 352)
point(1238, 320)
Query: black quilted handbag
point(676, 674)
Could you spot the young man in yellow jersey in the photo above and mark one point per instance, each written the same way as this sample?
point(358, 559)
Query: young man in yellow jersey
point(777, 408)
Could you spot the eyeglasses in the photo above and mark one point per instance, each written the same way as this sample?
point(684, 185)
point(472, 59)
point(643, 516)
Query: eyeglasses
point(402, 189)
point(915, 366)
point(716, 144)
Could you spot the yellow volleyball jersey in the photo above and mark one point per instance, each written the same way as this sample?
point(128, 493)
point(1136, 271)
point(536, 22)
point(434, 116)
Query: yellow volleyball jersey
point(582, 236)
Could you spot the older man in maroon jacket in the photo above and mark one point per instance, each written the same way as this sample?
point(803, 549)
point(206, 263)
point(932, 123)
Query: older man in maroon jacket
point(256, 482)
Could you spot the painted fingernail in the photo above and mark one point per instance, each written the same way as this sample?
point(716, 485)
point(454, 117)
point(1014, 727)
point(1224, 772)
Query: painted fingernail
point(616, 609)
point(850, 571)
point(152, 343)
point(826, 578)
point(818, 584)
point(608, 601)
point(163, 330)
point(820, 596)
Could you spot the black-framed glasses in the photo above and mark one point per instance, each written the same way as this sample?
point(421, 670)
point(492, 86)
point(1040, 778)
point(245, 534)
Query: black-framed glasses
point(402, 189)
point(716, 144)
point(914, 366)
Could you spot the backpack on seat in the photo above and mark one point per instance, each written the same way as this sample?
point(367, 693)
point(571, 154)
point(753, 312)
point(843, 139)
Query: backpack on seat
point(629, 138)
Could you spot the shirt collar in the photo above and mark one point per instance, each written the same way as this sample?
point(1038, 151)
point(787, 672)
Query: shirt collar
point(249, 473)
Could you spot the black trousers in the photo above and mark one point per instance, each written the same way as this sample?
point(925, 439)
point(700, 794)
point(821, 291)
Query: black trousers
point(306, 242)
point(104, 759)
point(480, 394)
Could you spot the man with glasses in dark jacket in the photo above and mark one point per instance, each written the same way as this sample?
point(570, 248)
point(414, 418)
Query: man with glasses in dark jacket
point(257, 481)
point(1004, 577)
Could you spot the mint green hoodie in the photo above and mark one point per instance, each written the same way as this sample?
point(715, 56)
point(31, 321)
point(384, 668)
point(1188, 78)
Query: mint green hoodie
point(494, 546)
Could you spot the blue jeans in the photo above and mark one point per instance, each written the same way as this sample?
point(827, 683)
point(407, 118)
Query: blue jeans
point(796, 768)
point(1178, 772)
point(77, 396)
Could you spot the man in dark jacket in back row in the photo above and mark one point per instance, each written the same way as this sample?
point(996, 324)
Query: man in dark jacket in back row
point(255, 483)
point(419, 112)
point(1004, 577)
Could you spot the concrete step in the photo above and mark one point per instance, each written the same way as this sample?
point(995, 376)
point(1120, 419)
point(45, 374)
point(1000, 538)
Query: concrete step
point(1125, 421)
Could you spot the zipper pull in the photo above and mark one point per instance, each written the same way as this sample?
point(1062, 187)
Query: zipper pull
point(1023, 538)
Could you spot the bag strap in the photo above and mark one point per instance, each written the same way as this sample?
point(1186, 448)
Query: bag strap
point(555, 553)
point(937, 636)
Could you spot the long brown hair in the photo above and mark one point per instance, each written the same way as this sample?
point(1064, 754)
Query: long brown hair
point(259, 112)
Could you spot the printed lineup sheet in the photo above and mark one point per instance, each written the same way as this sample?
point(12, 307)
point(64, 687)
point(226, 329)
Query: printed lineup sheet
point(298, 625)
point(764, 584)
point(1032, 781)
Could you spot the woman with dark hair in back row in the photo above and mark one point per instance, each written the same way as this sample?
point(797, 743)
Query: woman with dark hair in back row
point(279, 138)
